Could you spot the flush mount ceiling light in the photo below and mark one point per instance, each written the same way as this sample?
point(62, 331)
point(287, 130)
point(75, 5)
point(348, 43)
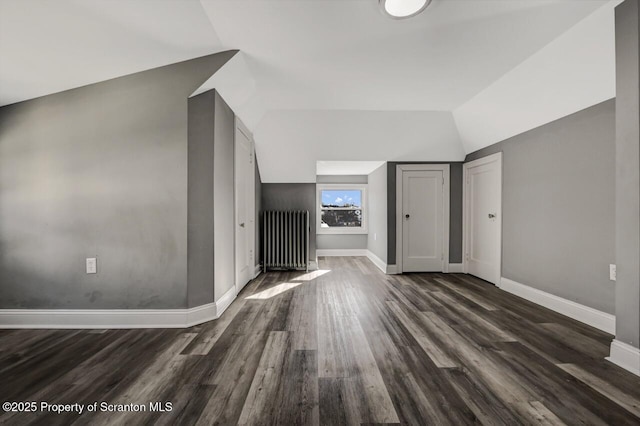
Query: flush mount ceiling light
point(401, 9)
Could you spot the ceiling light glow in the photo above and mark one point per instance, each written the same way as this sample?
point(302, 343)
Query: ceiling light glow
point(400, 9)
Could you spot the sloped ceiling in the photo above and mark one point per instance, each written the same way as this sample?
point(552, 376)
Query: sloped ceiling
point(323, 79)
point(573, 72)
point(50, 46)
point(346, 55)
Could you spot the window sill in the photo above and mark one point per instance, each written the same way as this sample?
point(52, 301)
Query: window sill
point(342, 232)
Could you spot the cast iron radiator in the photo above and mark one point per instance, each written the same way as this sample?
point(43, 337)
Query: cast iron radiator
point(285, 239)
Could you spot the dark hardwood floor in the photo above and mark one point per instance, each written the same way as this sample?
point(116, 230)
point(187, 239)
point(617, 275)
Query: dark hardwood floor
point(344, 345)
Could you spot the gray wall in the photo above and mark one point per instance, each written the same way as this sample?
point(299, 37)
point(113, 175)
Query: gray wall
point(211, 261)
point(627, 163)
point(223, 198)
point(293, 196)
point(344, 241)
point(455, 210)
point(377, 237)
point(341, 241)
point(559, 206)
point(200, 199)
point(99, 171)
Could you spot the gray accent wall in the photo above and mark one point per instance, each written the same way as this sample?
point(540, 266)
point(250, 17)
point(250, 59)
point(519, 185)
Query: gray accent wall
point(558, 204)
point(293, 196)
point(455, 210)
point(341, 241)
point(99, 171)
point(627, 178)
point(200, 199)
point(377, 237)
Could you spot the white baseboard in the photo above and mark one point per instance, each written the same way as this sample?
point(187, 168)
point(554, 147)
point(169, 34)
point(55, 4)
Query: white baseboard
point(593, 317)
point(114, 318)
point(381, 264)
point(387, 269)
point(341, 252)
point(257, 271)
point(456, 268)
point(195, 316)
point(625, 356)
point(224, 301)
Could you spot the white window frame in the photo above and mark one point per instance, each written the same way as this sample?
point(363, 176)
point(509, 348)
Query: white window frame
point(340, 230)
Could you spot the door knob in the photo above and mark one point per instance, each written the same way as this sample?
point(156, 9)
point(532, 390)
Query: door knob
point(407, 216)
point(492, 215)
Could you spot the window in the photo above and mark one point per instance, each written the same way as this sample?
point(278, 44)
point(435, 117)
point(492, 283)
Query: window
point(342, 209)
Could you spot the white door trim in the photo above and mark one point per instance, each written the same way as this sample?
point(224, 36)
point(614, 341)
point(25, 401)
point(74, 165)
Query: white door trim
point(445, 169)
point(465, 206)
point(251, 219)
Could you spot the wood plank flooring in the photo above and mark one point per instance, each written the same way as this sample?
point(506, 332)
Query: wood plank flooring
point(343, 345)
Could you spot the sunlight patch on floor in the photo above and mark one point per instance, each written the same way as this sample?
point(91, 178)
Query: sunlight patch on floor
point(311, 275)
point(273, 291)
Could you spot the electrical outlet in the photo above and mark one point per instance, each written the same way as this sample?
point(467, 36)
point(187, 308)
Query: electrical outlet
point(92, 265)
point(612, 272)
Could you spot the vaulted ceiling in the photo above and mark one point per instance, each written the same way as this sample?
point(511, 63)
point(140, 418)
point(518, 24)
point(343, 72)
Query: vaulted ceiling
point(324, 79)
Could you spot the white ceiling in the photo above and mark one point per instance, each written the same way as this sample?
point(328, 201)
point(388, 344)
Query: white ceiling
point(345, 168)
point(288, 143)
point(346, 54)
point(573, 72)
point(323, 80)
point(50, 46)
point(235, 83)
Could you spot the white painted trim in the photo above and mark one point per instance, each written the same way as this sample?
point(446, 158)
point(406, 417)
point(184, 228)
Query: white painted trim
point(625, 356)
point(95, 318)
point(108, 318)
point(201, 314)
point(341, 252)
point(456, 268)
point(313, 264)
point(115, 318)
point(250, 219)
point(446, 174)
point(593, 317)
point(225, 300)
point(465, 213)
point(257, 271)
point(380, 264)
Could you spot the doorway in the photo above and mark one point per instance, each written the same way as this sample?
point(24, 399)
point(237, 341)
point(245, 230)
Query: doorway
point(244, 172)
point(482, 222)
point(422, 218)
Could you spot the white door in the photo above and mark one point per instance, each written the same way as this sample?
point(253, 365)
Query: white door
point(245, 201)
point(422, 221)
point(483, 217)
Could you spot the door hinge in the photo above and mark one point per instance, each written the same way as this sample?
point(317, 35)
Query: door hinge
point(467, 256)
point(443, 181)
point(250, 158)
point(441, 256)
